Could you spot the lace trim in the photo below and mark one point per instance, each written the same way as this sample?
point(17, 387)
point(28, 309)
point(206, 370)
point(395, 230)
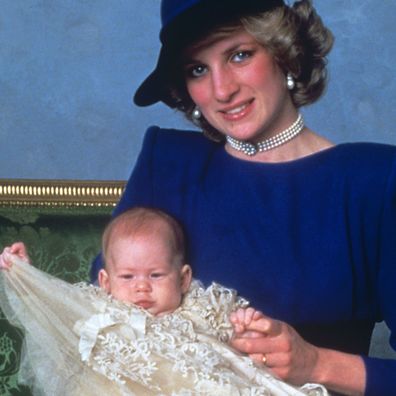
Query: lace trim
point(126, 343)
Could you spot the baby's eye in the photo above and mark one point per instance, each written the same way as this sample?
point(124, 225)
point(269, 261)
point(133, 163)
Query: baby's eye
point(196, 71)
point(156, 275)
point(240, 56)
point(127, 276)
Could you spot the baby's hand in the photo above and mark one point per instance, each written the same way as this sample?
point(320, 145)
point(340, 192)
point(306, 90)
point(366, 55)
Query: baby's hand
point(16, 249)
point(243, 317)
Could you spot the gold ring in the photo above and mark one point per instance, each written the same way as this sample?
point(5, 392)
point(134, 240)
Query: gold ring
point(264, 359)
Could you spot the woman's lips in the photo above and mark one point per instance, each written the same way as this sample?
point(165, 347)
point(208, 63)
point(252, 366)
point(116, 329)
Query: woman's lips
point(237, 112)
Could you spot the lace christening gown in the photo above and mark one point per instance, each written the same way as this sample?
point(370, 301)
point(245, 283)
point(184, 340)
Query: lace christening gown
point(81, 341)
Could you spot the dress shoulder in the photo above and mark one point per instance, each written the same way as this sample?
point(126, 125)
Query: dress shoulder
point(369, 152)
point(367, 164)
point(177, 143)
point(175, 135)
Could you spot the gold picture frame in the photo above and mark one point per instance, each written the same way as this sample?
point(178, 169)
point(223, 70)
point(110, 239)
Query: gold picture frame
point(60, 193)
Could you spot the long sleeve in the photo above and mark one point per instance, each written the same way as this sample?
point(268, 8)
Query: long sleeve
point(381, 373)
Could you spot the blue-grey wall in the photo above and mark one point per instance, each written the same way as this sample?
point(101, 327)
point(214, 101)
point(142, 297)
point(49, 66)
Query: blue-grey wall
point(68, 70)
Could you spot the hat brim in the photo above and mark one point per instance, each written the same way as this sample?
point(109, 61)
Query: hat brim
point(148, 92)
point(154, 88)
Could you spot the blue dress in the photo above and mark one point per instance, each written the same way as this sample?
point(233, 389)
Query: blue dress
point(311, 242)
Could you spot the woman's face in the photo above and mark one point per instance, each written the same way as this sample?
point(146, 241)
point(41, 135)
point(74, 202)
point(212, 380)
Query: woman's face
point(238, 87)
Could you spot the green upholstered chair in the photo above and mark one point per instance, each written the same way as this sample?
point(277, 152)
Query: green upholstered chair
point(61, 223)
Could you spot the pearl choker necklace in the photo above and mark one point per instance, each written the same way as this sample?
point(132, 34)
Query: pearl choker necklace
point(270, 143)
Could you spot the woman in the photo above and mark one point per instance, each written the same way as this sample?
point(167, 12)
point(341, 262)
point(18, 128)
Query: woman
point(302, 228)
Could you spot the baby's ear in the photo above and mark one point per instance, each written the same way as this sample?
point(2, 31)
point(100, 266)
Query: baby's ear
point(103, 279)
point(186, 277)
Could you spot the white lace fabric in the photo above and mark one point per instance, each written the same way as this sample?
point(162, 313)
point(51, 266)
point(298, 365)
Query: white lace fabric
point(81, 341)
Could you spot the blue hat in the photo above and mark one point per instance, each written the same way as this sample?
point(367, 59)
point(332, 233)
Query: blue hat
point(182, 22)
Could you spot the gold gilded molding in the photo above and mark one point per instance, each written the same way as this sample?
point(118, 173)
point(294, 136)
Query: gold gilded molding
point(59, 193)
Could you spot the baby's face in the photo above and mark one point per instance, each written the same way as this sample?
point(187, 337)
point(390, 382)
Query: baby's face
point(143, 271)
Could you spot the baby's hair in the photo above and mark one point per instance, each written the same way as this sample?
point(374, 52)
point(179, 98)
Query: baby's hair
point(140, 220)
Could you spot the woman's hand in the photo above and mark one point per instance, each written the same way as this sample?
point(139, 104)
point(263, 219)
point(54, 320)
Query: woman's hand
point(277, 345)
point(16, 249)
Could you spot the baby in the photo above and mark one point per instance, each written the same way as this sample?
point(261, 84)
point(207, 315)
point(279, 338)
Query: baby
point(144, 259)
point(149, 329)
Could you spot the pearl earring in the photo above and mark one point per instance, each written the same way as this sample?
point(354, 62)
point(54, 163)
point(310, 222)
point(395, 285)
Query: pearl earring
point(290, 81)
point(196, 113)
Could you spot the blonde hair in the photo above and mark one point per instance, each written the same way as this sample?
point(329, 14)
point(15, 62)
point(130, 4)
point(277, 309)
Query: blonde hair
point(140, 220)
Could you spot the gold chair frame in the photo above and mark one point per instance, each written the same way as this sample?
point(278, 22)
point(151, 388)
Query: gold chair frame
point(59, 193)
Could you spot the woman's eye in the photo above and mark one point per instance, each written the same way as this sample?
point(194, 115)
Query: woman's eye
point(196, 71)
point(241, 56)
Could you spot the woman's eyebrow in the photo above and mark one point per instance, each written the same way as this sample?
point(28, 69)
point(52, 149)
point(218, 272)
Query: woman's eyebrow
point(236, 47)
point(188, 59)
